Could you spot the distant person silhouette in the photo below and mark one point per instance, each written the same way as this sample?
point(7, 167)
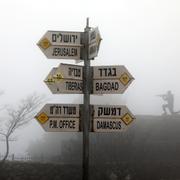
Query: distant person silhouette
point(169, 97)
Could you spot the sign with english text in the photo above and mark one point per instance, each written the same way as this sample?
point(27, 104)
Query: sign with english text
point(59, 117)
point(59, 85)
point(111, 118)
point(108, 125)
point(61, 45)
point(111, 79)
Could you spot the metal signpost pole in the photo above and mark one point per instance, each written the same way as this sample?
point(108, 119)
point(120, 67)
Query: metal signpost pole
point(73, 79)
point(86, 105)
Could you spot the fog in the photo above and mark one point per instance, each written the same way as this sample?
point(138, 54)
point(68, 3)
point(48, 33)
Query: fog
point(142, 35)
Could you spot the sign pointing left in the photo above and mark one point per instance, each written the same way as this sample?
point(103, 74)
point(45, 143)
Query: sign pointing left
point(61, 44)
point(58, 84)
point(59, 117)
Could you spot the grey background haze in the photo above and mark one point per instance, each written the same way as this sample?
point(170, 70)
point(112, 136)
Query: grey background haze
point(143, 35)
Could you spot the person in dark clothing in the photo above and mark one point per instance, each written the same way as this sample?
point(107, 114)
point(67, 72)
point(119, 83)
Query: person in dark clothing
point(169, 97)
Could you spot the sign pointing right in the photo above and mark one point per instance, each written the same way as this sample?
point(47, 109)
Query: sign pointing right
point(94, 42)
point(111, 79)
point(111, 118)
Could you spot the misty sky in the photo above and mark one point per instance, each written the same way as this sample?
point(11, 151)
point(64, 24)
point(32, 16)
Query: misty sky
point(143, 35)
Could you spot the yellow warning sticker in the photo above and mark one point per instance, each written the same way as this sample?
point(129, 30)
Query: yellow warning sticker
point(45, 43)
point(42, 118)
point(127, 119)
point(124, 79)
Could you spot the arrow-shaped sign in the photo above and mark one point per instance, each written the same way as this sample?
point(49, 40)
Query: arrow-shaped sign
point(59, 85)
point(94, 42)
point(59, 117)
point(111, 79)
point(61, 44)
point(111, 118)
